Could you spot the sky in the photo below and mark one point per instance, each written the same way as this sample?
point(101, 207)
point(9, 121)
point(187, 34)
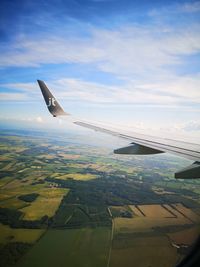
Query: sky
point(133, 63)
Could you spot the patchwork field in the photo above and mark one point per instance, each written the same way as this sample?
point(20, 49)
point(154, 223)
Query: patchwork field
point(151, 236)
point(46, 204)
point(154, 216)
point(105, 190)
point(155, 211)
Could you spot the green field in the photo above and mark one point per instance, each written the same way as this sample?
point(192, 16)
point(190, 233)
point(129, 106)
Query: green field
point(85, 247)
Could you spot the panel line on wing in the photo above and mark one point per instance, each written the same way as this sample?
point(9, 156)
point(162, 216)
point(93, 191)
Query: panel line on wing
point(153, 144)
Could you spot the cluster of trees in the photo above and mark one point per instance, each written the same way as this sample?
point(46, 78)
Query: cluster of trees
point(13, 219)
point(8, 216)
point(3, 174)
point(80, 216)
point(28, 197)
point(11, 253)
point(107, 190)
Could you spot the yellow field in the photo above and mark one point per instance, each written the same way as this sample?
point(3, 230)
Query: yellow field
point(154, 211)
point(156, 216)
point(174, 211)
point(145, 224)
point(46, 156)
point(46, 204)
point(53, 192)
point(41, 207)
point(188, 212)
point(78, 176)
point(146, 251)
point(8, 234)
point(136, 211)
point(187, 236)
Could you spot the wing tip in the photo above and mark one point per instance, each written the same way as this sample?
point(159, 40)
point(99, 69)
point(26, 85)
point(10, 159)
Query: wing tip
point(52, 104)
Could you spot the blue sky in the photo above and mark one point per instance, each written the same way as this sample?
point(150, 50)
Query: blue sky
point(134, 63)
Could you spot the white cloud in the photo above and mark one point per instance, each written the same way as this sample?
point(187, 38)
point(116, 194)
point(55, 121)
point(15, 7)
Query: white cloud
point(170, 92)
point(139, 55)
point(18, 92)
point(127, 50)
point(20, 86)
point(174, 91)
point(24, 87)
point(176, 9)
point(72, 89)
point(190, 7)
point(12, 97)
point(39, 119)
point(191, 126)
point(183, 88)
point(36, 51)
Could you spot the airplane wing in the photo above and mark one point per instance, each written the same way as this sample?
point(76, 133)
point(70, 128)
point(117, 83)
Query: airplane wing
point(139, 143)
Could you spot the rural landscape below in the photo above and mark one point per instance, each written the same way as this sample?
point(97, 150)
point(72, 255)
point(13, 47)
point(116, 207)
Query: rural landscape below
point(65, 203)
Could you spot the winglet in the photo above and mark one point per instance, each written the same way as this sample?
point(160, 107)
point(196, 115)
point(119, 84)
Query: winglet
point(52, 104)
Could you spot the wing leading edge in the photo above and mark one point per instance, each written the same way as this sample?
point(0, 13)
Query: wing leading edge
point(139, 144)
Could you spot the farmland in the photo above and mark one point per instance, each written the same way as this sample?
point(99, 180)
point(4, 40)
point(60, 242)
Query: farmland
point(77, 176)
point(19, 235)
point(90, 248)
point(154, 250)
point(153, 229)
point(66, 203)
